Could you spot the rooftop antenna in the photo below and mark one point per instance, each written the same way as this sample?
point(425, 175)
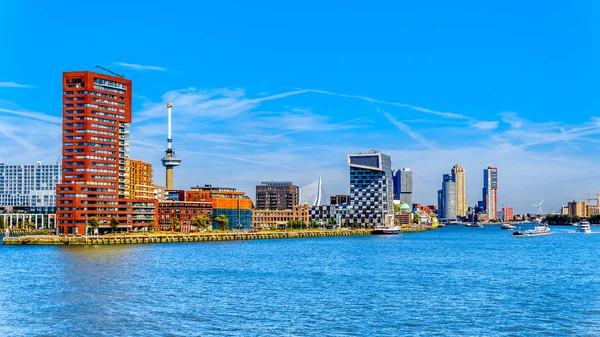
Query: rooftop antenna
point(110, 71)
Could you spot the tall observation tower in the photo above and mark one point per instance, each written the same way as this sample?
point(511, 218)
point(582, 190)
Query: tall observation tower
point(169, 160)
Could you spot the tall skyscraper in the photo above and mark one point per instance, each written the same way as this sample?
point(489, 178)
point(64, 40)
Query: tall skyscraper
point(458, 172)
point(448, 197)
point(276, 195)
point(96, 115)
point(371, 189)
point(490, 189)
point(403, 186)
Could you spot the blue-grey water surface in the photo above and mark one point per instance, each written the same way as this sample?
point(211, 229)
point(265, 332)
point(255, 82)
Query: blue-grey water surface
point(453, 281)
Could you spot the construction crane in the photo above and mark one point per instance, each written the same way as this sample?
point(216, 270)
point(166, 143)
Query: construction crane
point(112, 72)
point(589, 195)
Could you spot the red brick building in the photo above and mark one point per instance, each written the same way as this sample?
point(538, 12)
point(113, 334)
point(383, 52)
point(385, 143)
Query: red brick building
point(508, 214)
point(96, 118)
point(184, 211)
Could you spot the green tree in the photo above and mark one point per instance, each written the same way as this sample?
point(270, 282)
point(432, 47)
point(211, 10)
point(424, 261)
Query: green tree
point(93, 223)
point(313, 224)
point(416, 219)
point(2, 223)
point(114, 224)
point(397, 208)
point(222, 222)
point(175, 223)
point(200, 221)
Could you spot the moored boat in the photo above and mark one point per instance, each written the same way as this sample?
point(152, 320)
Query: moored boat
point(473, 224)
point(386, 230)
point(536, 231)
point(507, 226)
point(584, 227)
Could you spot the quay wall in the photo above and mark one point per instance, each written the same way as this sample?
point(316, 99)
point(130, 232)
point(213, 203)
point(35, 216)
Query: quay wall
point(179, 237)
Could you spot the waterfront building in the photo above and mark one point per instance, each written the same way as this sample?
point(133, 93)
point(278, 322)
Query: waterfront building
point(96, 119)
point(339, 199)
point(490, 191)
point(235, 205)
point(440, 200)
point(429, 209)
point(508, 214)
point(448, 197)
point(403, 219)
point(403, 185)
point(39, 220)
point(371, 189)
point(458, 172)
point(140, 185)
point(30, 186)
point(175, 195)
point(577, 208)
point(593, 210)
point(338, 214)
point(160, 193)
point(279, 218)
point(184, 211)
point(282, 195)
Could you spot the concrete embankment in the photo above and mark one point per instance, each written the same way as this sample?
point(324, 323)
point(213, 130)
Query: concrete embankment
point(163, 238)
point(180, 237)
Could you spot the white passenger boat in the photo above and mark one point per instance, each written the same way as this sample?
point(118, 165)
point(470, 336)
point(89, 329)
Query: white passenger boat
point(536, 231)
point(584, 227)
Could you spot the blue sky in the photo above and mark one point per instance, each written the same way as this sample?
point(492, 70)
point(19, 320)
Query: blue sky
point(270, 90)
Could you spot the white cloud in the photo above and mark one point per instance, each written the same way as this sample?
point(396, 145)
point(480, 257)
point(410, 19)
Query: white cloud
point(413, 134)
point(402, 105)
point(15, 85)
point(33, 115)
point(511, 118)
point(486, 125)
point(140, 67)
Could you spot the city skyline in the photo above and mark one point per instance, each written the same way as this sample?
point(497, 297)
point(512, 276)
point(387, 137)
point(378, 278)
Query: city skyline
point(239, 121)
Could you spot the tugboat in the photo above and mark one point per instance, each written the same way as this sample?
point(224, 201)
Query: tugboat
point(386, 230)
point(506, 225)
point(536, 231)
point(584, 227)
point(473, 224)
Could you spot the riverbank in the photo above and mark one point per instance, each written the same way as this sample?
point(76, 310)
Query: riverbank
point(181, 237)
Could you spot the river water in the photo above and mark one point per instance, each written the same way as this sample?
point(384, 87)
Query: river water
point(453, 281)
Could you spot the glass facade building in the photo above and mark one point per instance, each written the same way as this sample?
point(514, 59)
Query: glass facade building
point(403, 186)
point(32, 186)
point(490, 189)
point(371, 189)
point(448, 197)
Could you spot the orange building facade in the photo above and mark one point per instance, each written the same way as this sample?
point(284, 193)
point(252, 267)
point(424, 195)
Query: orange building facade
point(235, 205)
point(139, 182)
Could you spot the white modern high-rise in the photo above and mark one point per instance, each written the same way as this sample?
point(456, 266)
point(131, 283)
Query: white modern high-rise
point(29, 185)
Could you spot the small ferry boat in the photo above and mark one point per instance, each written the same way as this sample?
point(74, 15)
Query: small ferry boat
point(536, 231)
point(386, 230)
point(584, 227)
point(507, 226)
point(473, 224)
